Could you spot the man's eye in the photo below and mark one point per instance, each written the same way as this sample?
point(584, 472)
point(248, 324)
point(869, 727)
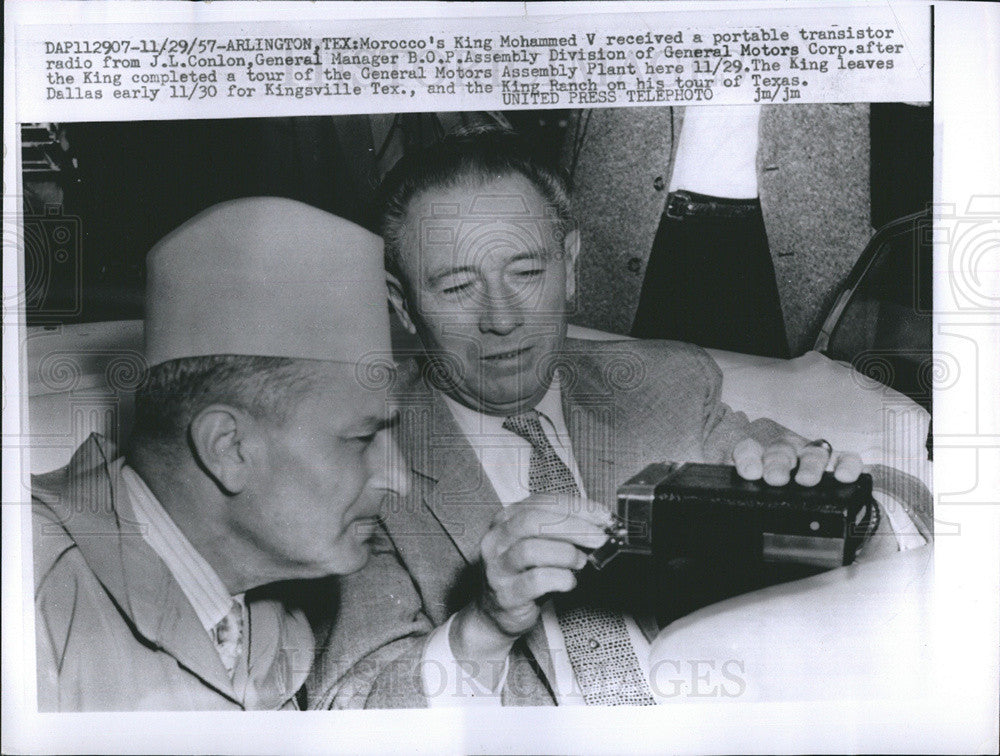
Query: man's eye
point(457, 288)
point(530, 273)
point(525, 278)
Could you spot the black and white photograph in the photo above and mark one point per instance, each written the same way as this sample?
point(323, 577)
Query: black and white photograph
point(469, 413)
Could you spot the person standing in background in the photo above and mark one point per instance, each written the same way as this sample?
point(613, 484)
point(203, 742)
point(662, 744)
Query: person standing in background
point(687, 214)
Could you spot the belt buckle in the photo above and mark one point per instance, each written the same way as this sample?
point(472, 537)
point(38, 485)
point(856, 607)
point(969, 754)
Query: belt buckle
point(677, 204)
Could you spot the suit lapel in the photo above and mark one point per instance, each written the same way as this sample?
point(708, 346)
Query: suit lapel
point(590, 422)
point(457, 492)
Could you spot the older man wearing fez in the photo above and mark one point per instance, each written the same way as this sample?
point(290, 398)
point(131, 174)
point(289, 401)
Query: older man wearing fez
point(519, 439)
point(257, 457)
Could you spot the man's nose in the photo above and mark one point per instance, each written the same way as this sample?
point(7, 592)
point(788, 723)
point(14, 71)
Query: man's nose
point(500, 313)
point(390, 471)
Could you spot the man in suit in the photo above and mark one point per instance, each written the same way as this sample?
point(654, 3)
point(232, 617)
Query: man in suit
point(257, 458)
point(799, 177)
point(518, 438)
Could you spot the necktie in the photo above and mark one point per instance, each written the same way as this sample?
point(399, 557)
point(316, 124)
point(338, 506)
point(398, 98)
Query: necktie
point(597, 642)
point(228, 636)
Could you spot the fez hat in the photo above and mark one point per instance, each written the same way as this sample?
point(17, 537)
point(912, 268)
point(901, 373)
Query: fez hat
point(265, 276)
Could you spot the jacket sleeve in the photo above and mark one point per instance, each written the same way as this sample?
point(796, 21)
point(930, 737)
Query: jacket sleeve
point(373, 655)
point(724, 428)
point(370, 644)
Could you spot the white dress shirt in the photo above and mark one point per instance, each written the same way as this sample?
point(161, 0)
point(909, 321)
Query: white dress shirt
point(717, 151)
point(505, 458)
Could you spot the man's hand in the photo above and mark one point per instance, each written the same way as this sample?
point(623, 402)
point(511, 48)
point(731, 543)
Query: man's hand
point(532, 549)
point(776, 462)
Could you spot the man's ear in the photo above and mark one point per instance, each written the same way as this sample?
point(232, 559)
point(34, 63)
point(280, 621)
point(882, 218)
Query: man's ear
point(220, 438)
point(571, 252)
point(400, 304)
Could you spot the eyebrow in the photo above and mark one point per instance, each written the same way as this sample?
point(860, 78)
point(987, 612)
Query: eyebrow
point(376, 423)
point(436, 276)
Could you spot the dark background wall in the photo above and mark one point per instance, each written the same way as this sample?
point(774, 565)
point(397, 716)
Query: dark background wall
point(116, 188)
point(99, 195)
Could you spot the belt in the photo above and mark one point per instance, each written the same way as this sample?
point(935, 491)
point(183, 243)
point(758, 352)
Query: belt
point(682, 204)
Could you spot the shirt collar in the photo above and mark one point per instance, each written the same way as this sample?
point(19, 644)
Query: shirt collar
point(200, 583)
point(473, 423)
point(551, 408)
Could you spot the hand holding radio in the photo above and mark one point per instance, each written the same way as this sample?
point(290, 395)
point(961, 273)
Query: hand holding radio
point(777, 462)
point(533, 548)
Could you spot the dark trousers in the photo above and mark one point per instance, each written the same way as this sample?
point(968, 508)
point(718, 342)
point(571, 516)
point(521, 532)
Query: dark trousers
point(710, 279)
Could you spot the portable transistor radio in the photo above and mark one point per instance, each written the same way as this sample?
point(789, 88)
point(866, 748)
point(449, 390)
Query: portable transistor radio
point(708, 512)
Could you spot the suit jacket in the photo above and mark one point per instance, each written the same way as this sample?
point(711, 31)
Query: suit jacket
point(626, 404)
point(114, 630)
point(813, 176)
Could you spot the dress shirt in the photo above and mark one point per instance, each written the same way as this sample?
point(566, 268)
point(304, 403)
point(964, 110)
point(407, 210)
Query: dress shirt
point(505, 458)
point(199, 582)
point(717, 151)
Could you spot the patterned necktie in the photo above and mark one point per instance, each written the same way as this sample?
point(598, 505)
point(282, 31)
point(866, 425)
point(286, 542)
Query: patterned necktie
point(597, 641)
point(228, 636)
